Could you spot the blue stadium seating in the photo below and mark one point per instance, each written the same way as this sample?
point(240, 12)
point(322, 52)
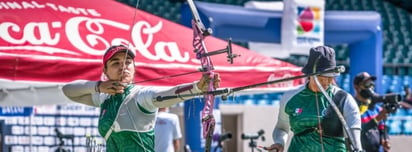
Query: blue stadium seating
point(407, 126)
point(247, 99)
point(394, 126)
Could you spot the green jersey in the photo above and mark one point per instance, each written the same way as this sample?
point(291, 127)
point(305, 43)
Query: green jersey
point(302, 110)
point(140, 138)
point(127, 120)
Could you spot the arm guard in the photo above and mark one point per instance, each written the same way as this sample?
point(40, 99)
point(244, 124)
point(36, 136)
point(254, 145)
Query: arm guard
point(356, 134)
point(190, 88)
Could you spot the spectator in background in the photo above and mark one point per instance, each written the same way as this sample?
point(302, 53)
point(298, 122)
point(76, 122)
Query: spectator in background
point(373, 136)
point(167, 131)
point(308, 114)
point(407, 99)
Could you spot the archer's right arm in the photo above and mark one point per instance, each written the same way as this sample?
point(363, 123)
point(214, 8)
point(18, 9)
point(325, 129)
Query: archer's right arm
point(91, 92)
point(281, 131)
point(81, 91)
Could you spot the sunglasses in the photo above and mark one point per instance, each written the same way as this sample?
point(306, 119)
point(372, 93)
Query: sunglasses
point(368, 84)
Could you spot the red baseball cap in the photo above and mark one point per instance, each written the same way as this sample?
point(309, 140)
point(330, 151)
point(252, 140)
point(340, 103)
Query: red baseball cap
point(116, 49)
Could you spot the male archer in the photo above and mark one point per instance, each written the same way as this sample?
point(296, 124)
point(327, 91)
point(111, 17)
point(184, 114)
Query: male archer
point(307, 113)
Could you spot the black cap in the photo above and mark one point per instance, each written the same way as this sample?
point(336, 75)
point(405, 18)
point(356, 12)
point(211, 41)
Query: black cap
point(362, 77)
point(326, 61)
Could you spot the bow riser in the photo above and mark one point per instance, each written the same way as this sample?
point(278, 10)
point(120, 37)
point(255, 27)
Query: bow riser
point(208, 120)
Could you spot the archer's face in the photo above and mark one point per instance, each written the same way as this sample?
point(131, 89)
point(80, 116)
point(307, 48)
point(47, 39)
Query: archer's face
point(324, 82)
point(120, 68)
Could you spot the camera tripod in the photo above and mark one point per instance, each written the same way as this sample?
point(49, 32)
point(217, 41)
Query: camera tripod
point(253, 137)
point(60, 147)
point(61, 144)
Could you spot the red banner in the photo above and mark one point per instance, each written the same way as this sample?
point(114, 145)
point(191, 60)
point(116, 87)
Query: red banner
point(57, 41)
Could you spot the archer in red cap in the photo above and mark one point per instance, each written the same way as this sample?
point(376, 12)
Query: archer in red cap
point(128, 112)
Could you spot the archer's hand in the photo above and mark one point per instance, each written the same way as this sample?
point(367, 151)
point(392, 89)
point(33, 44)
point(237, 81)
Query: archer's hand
point(386, 146)
point(203, 83)
point(382, 115)
point(111, 87)
point(274, 148)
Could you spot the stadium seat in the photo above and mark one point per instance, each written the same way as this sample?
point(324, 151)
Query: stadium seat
point(274, 98)
point(339, 79)
point(407, 126)
point(394, 126)
point(406, 80)
point(396, 84)
point(248, 100)
point(409, 112)
point(346, 82)
point(346, 87)
point(385, 82)
point(401, 112)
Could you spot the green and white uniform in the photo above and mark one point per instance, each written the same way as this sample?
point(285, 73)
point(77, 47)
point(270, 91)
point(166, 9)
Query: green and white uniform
point(299, 112)
point(127, 120)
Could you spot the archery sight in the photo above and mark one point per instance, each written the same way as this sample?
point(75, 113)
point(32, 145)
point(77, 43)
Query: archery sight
point(227, 50)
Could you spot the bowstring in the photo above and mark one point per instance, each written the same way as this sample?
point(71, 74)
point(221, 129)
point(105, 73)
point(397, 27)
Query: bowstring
point(317, 104)
point(128, 44)
point(335, 108)
point(125, 59)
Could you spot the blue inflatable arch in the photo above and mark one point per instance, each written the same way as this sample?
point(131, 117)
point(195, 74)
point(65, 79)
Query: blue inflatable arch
point(361, 31)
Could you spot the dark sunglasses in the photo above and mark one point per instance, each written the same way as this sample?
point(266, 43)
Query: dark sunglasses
point(368, 84)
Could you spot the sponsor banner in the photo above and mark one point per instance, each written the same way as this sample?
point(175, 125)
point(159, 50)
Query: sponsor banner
point(302, 25)
point(34, 128)
point(16, 111)
point(60, 41)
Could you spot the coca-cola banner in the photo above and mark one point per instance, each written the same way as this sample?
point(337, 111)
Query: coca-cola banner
point(58, 41)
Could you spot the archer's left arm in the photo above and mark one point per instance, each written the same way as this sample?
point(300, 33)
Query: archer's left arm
point(181, 91)
point(383, 130)
point(353, 119)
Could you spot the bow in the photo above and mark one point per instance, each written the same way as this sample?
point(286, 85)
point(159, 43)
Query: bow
point(352, 140)
point(199, 33)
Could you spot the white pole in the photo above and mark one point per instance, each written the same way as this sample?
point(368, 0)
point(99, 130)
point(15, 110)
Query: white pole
point(30, 126)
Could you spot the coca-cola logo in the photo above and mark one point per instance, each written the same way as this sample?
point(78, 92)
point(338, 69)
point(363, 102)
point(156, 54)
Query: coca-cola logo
point(283, 84)
point(80, 36)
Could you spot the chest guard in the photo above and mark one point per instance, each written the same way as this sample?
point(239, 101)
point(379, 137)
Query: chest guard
point(330, 122)
point(130, 116)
